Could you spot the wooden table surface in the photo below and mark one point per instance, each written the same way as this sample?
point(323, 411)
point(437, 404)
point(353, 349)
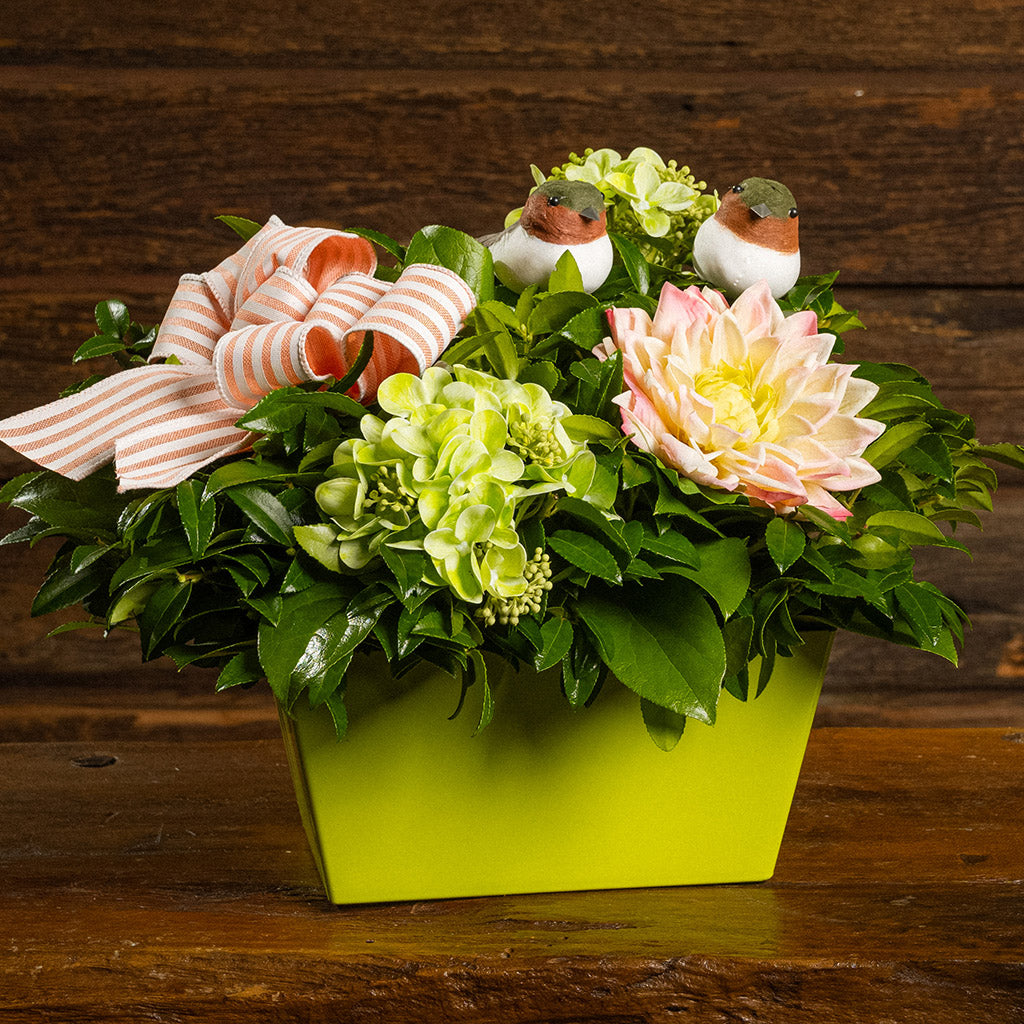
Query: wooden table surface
point(146, 881)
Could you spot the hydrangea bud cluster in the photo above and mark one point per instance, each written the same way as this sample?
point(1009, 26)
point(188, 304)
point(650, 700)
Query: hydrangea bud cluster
point(507, 610)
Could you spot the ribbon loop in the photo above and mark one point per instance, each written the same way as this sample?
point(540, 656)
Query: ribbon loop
point(412, 324)
point(285, 295)
point(291, 306)
point(193, 323)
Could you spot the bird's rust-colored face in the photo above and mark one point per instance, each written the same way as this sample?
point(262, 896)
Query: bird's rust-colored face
point(779, 233)
point(551, 218)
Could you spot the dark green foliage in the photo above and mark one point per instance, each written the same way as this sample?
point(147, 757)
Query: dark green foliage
point(674, 592)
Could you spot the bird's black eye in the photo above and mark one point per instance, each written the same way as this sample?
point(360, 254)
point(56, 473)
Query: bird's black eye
point(736, 188)
point(793, 212)
point(554, 200)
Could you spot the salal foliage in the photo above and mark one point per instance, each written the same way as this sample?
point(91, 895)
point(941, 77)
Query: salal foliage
point(496, 506)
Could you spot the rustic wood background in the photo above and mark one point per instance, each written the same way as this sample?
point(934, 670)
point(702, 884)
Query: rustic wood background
point(126, 127)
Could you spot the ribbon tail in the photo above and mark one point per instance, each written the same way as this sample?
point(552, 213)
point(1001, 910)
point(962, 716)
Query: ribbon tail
point(77, 434)
point(165, 454)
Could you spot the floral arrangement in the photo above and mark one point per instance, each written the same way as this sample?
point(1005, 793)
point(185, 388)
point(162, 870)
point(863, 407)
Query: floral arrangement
point(647, 481)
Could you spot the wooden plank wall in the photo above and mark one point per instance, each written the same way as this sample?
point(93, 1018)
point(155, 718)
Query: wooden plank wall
point(126, 127)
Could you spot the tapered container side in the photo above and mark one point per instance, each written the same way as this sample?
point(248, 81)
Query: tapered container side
point(412, 805)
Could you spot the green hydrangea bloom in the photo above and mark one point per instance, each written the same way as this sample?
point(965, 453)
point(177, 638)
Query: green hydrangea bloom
point(455, 463)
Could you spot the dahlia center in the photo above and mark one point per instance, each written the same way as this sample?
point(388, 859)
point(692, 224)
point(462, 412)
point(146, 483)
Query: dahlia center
point(738, 404)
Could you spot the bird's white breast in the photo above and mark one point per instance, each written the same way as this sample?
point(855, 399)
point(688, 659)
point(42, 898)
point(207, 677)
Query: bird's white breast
point(527, 260)
point(734, 264)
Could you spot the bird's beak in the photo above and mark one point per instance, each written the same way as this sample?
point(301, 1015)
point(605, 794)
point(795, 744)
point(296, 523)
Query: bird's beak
point(761, 210)
point(590, 213)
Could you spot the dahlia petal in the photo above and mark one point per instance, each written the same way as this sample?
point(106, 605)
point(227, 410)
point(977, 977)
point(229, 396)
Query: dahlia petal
point(622, 320)
point(848, 435)
point(819, 498)
point(753, 310)
point(801, 324)
point(677, 307)
point(779, 501)
point(728, 342)
point(693, 463)
point(860, 473)
point(858, 394)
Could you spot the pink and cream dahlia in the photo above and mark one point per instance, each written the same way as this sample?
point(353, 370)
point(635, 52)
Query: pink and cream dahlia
point(744, 397)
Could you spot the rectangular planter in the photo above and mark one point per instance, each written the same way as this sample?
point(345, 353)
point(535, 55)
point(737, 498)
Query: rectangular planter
point(411, 805)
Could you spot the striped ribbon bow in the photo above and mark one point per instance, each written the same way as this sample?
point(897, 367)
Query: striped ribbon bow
point(292, 305)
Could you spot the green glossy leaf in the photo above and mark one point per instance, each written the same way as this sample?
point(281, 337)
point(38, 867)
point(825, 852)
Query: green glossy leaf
point(88, 507)
point(329, 685)
point(737, 634)
point(922, 612)
point(634, 262)
point(600, 382)
point(244, 471)
point(786, 542)
point(724, 571)
point(251, 564)
point(265, 512)
point(457, 251)
point(152, 560)
point(894, 442)
point(162, 611)
point(476, 659)
point(281, 646)
point(826, 523)
point(198, 515)
point(101, 345)
point(322, 666)
point(587, 328)
point(566, 276)
point(320, 541)
point(590, 428)
point(554, 311)
point(929, 455)
point(85, 554)
point(74, 627)
point(663, 641)
point(112, 318)
point(609, 531)
point(28, 532)
point(387, 243)
point(556, 638)
point(22, 482)
point(541, 372)
point(582, 671)
point(335, 704)
point(671, 545)
point(665, 727)
point(242, 669)
point(764, 674)
point(242, 226)
point(63, 588)
point(586, 553)
point(269, 606)
point(1009, 454)
point(912, 527)
point(407, 566)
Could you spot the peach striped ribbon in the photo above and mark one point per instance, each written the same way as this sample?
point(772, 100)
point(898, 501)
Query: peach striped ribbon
point(292, 305)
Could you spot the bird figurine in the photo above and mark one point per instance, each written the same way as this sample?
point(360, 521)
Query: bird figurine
point(753, 237)
point(559, 216)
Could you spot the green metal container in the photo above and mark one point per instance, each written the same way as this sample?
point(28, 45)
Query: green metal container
point(411, 805)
